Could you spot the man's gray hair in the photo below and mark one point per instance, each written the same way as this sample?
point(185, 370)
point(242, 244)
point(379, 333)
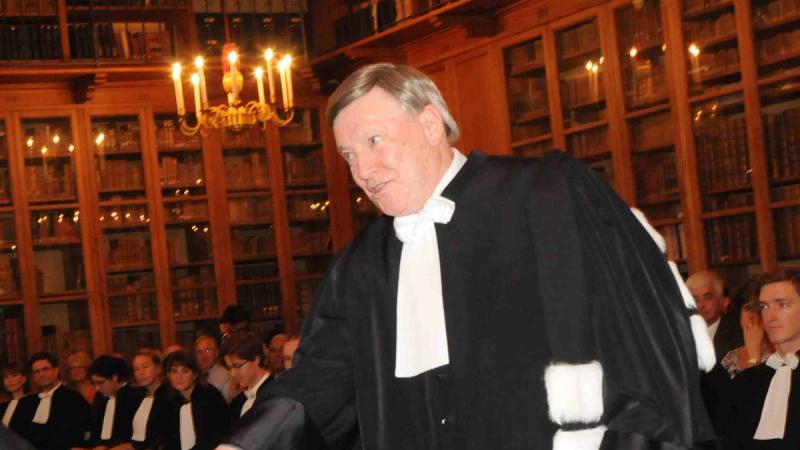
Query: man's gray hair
point(413, 90)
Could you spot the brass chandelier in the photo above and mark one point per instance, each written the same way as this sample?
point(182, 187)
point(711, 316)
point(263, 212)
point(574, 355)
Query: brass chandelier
point(236, 116)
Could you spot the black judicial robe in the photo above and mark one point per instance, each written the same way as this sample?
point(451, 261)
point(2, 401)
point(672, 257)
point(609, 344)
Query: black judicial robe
point(67, 426)
point(163, 419)
point(210, 416)
point(128, 400)
point(491, 395)
point(237, 403)
point(14, 424)
point(749, 391)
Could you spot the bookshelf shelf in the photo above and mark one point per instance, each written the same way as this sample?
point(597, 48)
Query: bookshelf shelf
point(118, 203)
point(324, 218)
point(134, 324)
point(532, 116)
point(122, 190)
point(727, 212)
point(10, 300)
point(147, 291)
point(715, 92)
point(705, 11)
point(59, 298)
point(311, 253)
point(196, 287)
point(50, 242)
point(666, 222)
point(779, 58)
point(586, 127)
point(241, 259)
point(69, 199)
point(772, 25)
point(646, 111)
point(785, 203)
point(251, 223)
point(192, 318)
point(582, 55)
point(533, 140)
point(258, 281)
point(717, 41)
point(781, 76)
point(248, 191)
point(126, 269)
point(179, 149)
point(300, 146)
point(310, 276)
point(526, 70)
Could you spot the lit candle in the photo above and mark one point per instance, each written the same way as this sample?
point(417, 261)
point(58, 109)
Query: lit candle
point(198, 63)
point(260, 84)
point(176, 79)
point(694, 51)
point(282, 72)
point(289, 80)
point(268, 55)
point(234, 75)
point(196, 84)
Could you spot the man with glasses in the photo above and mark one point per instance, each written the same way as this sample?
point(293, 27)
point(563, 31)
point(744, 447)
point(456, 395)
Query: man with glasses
point(207, 354)
point(246, 364)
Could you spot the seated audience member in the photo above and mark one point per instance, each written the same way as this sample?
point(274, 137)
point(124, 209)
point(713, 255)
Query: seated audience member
point(233, 319)
point(245, 360)
point(764, 413)
point(288, 351)
point(202, 418)
point(156, 417)
point(113, 409)
point(78, 375)
point(15, 383)
point(57, 417)
point(756, 346)
point(207, 354)
point(708, 290)
point(274, 353)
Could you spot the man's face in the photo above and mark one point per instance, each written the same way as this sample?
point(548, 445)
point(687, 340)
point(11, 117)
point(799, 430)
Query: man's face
point(243, 371)
point(14, 382)
point(780, 310)
point(709, 304)
point(275, 353)
point(390, 151)
point(106, 386)
point(288, 352)
point(45, 376)
point(206, 353)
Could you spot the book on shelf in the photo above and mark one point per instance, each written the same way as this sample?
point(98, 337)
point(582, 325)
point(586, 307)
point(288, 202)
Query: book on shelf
point(774, 11)
point(652, 132)
point(524, 55)
point(588, 143)
point(28, 7)
point(732, 240)
point(578, 40)
point(29, 41)
point(787, 232)
point(782, 135)
point(724, 159)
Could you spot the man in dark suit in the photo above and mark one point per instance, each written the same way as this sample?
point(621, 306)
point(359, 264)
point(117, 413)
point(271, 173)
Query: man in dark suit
point(708, 289)
point(57, 418)
point(246, 362)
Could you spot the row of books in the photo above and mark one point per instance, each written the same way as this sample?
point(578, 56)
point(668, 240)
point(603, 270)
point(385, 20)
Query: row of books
point(696, 5)
point(784, 192)
point(787, 232)
point(120, 40)
point(305, 240)
point(116, 136)
point(127, 3)
point(262, 301)
point(29, 41)
point(708, 66)
point(646, 82)
point(772, 48)
point(28, 7)
point(524, 55)
point(249, 209)
point(120, 174)
point(132, 308)
point(588, 143)
point(578, 41)
point(582, 91)
point(376, 15)
point(250, 271)
point(13, 339)
point(56, 224)
point(676, 241)
point(774, 11)
point(250, 245)
point(656, 178)
point(184, 170)
point(252, 138)
point(9, 277)
point(127, 252)
point(639, 26)
point(307, 208)
point(248, 6)
point(130, 282)
point(722, 150)
point(169, 136)
point(727, 201)
point(704, 30)
point(732, 240)
point(186, 211)
point(304, 167)
point(7, 230)
point(782, 139)
point(194, 303)
point(247, 171)
point(251, 32)
point(652, 132)
point(121, 217)
point(527, 96)
point(184, 247)
point(127, 341)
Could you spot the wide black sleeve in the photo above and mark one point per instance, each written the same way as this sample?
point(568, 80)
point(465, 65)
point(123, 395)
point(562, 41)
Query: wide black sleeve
point(210, 413)
point(315, 397)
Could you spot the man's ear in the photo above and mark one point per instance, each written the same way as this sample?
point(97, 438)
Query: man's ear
point(432, 124)
point(726, 303)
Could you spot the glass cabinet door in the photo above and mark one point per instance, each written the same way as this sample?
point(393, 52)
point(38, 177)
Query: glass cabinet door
point(307, 203)
point(583, 96)
point(526, 86)
point(712, 53)
point(124, 222)
point(776, 30)
point(251, 216)
point(49, 152)
point(188, 230)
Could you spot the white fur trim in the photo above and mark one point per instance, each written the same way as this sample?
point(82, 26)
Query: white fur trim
point(688, 299)
point(657, 237)
point(575, 392)
point(589, 439)
point(706, 358)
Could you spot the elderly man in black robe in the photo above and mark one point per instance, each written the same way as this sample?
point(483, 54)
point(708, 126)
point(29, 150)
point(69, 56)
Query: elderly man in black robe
point(500, 303)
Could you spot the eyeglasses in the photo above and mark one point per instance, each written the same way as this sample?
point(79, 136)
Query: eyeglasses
point(239, 365)
point(205, 350)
